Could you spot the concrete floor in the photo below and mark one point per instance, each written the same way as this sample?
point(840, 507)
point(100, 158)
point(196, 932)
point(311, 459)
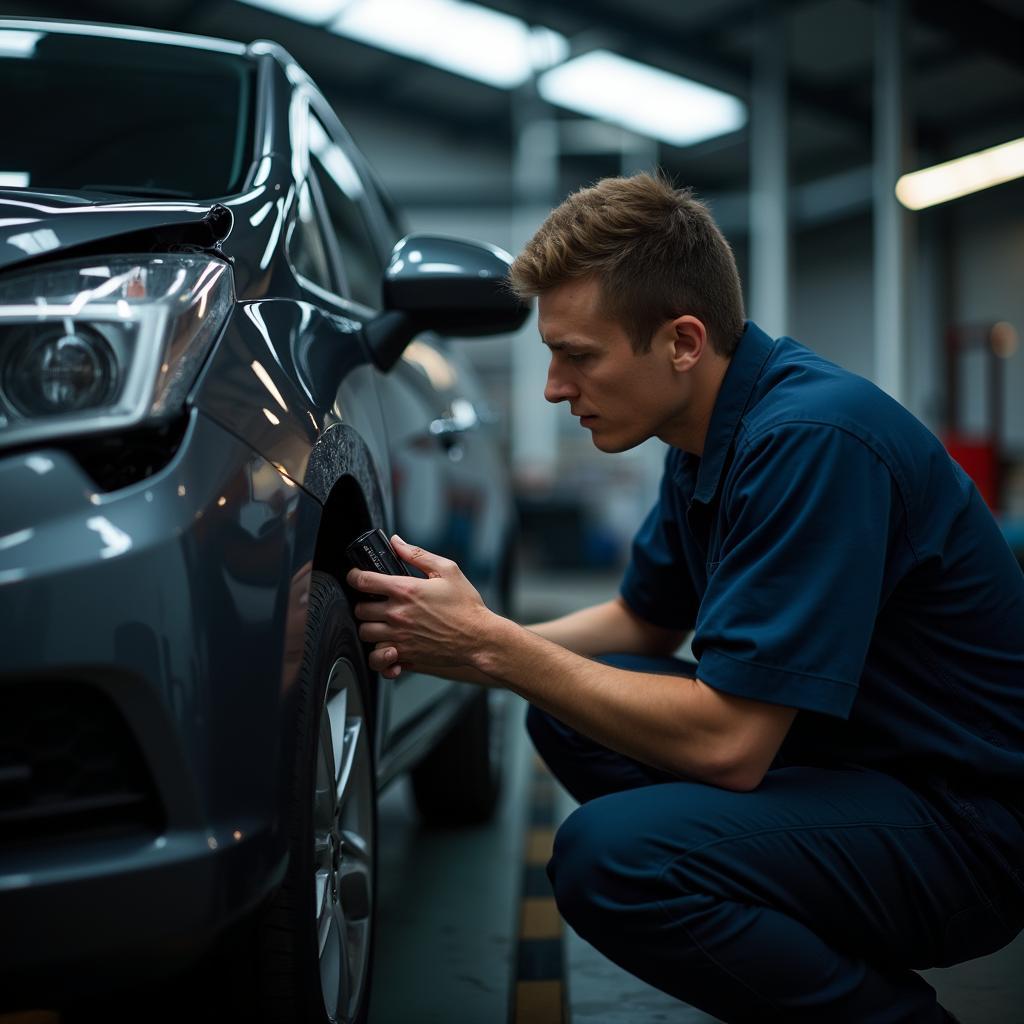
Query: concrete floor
point(448, 904)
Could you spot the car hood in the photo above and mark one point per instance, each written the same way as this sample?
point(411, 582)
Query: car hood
point(33, 224)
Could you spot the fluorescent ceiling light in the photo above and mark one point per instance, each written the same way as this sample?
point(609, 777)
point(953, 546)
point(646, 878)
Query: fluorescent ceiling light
point(643, 99)
point(13, 179)
point(466, 38)
point(962, 176)
point(18, 43)
point(315, 12)
point(35, 242)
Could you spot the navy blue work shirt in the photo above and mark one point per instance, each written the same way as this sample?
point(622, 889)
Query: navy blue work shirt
point(832, 557)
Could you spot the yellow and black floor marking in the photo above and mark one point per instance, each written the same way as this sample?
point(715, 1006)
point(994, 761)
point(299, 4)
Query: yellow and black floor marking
point(539, 992)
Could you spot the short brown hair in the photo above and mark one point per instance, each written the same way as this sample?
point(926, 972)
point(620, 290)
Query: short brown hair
point(655, 249)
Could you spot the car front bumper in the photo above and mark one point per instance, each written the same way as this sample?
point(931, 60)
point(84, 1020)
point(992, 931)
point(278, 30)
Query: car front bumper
point(150, 639)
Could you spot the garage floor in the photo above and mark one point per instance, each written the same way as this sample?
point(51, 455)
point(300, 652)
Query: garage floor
point(452, 915)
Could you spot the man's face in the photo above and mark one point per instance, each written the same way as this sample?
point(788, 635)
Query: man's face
point(622, 398)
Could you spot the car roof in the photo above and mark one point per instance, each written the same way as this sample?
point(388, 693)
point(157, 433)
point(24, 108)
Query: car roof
point(127, 32)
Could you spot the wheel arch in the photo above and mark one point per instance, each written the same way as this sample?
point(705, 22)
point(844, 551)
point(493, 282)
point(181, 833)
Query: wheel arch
point(349, 510)
point(345, 515)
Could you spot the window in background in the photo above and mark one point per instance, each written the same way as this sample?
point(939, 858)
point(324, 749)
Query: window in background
point(344, 198)
point(306, 247)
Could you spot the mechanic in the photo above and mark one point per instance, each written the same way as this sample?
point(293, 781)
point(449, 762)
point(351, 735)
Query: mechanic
point(833, 795)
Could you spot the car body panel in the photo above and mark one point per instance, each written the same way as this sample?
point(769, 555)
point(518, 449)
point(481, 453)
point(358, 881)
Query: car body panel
point(182, 596)
point(193, 564)
point(33, 224)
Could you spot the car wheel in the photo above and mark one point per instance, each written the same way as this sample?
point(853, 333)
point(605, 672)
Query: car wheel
point(459, 781)
point(315, 939)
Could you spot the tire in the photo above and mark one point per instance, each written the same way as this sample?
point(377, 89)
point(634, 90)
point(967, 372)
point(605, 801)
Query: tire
point(459, 781)
point(314, 942)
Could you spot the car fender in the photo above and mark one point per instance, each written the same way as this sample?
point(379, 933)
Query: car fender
point(295, 384)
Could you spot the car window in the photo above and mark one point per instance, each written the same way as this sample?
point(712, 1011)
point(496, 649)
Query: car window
point(123, 116)
point(394, 223)
point(344, 193)
point(307, 248)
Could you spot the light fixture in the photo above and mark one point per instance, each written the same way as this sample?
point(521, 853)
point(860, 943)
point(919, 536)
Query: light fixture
point(642, 98)
point(962, 176)
point(465, 38)
point(313, 12)
point(18, 43)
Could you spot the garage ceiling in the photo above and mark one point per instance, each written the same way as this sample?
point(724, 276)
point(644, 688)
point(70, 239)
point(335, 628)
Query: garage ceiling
point(965, 70)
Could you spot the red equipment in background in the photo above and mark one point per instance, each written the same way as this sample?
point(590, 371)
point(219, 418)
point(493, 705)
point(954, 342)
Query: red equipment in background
point(979, 453)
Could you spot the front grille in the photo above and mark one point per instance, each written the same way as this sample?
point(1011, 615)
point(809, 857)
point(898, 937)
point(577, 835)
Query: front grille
point(69, 764)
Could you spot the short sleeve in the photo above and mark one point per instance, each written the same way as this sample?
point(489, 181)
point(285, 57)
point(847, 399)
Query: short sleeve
point(657, 584)
point(791, 605)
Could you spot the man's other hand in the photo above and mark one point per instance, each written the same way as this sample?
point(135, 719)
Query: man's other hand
point(420, 623)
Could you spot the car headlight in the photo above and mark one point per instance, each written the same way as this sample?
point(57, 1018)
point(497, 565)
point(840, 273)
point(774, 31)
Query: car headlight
point(105, 343)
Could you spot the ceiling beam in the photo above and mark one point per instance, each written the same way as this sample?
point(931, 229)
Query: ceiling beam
point(459, 126)
point(977, 26)
point(700, 45)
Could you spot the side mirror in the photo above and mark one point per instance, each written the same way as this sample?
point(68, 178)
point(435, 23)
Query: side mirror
point(446, 285)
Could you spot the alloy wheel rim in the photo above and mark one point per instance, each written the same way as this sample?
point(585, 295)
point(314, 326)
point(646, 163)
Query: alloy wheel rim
point(343, 844)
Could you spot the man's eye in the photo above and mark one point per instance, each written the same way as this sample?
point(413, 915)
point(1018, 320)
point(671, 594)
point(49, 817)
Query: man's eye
point(577, 357)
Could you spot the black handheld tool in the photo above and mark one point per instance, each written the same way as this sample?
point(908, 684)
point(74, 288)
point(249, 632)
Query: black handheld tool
point(372, 550)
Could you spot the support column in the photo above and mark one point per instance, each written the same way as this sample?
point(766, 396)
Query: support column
point(770, 237)
point(638, 154)
point(891, 221)
point(534, 423)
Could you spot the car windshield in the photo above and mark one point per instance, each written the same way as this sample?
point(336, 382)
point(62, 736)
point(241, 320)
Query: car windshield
point(85, 112)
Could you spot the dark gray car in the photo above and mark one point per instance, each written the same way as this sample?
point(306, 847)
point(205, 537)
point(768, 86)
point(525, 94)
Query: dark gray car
point(217, 367)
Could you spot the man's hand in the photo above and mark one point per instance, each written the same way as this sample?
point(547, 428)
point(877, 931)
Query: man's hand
point(419, 624)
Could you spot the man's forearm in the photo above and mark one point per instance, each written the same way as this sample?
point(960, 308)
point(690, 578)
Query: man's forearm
point(460, 674)
point(679, 724)
point(670, 722)
point(599, 629)
point(607, 627)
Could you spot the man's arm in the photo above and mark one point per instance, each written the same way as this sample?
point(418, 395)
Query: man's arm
point(599, 629)
point(604, 628)
point(681, 725)
point(670, 722)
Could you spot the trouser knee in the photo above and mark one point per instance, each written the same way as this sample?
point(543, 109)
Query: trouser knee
point(596, 890)
point(571, 871)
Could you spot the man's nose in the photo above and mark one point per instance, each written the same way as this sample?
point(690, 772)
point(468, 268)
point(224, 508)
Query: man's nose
point(558, 389)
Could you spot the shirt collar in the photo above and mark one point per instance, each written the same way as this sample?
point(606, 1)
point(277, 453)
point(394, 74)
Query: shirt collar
point(745, 367)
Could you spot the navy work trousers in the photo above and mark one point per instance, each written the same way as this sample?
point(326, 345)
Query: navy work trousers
point(809, 899)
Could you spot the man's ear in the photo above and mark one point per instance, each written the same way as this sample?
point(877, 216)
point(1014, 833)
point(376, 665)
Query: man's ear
point(690, 339)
